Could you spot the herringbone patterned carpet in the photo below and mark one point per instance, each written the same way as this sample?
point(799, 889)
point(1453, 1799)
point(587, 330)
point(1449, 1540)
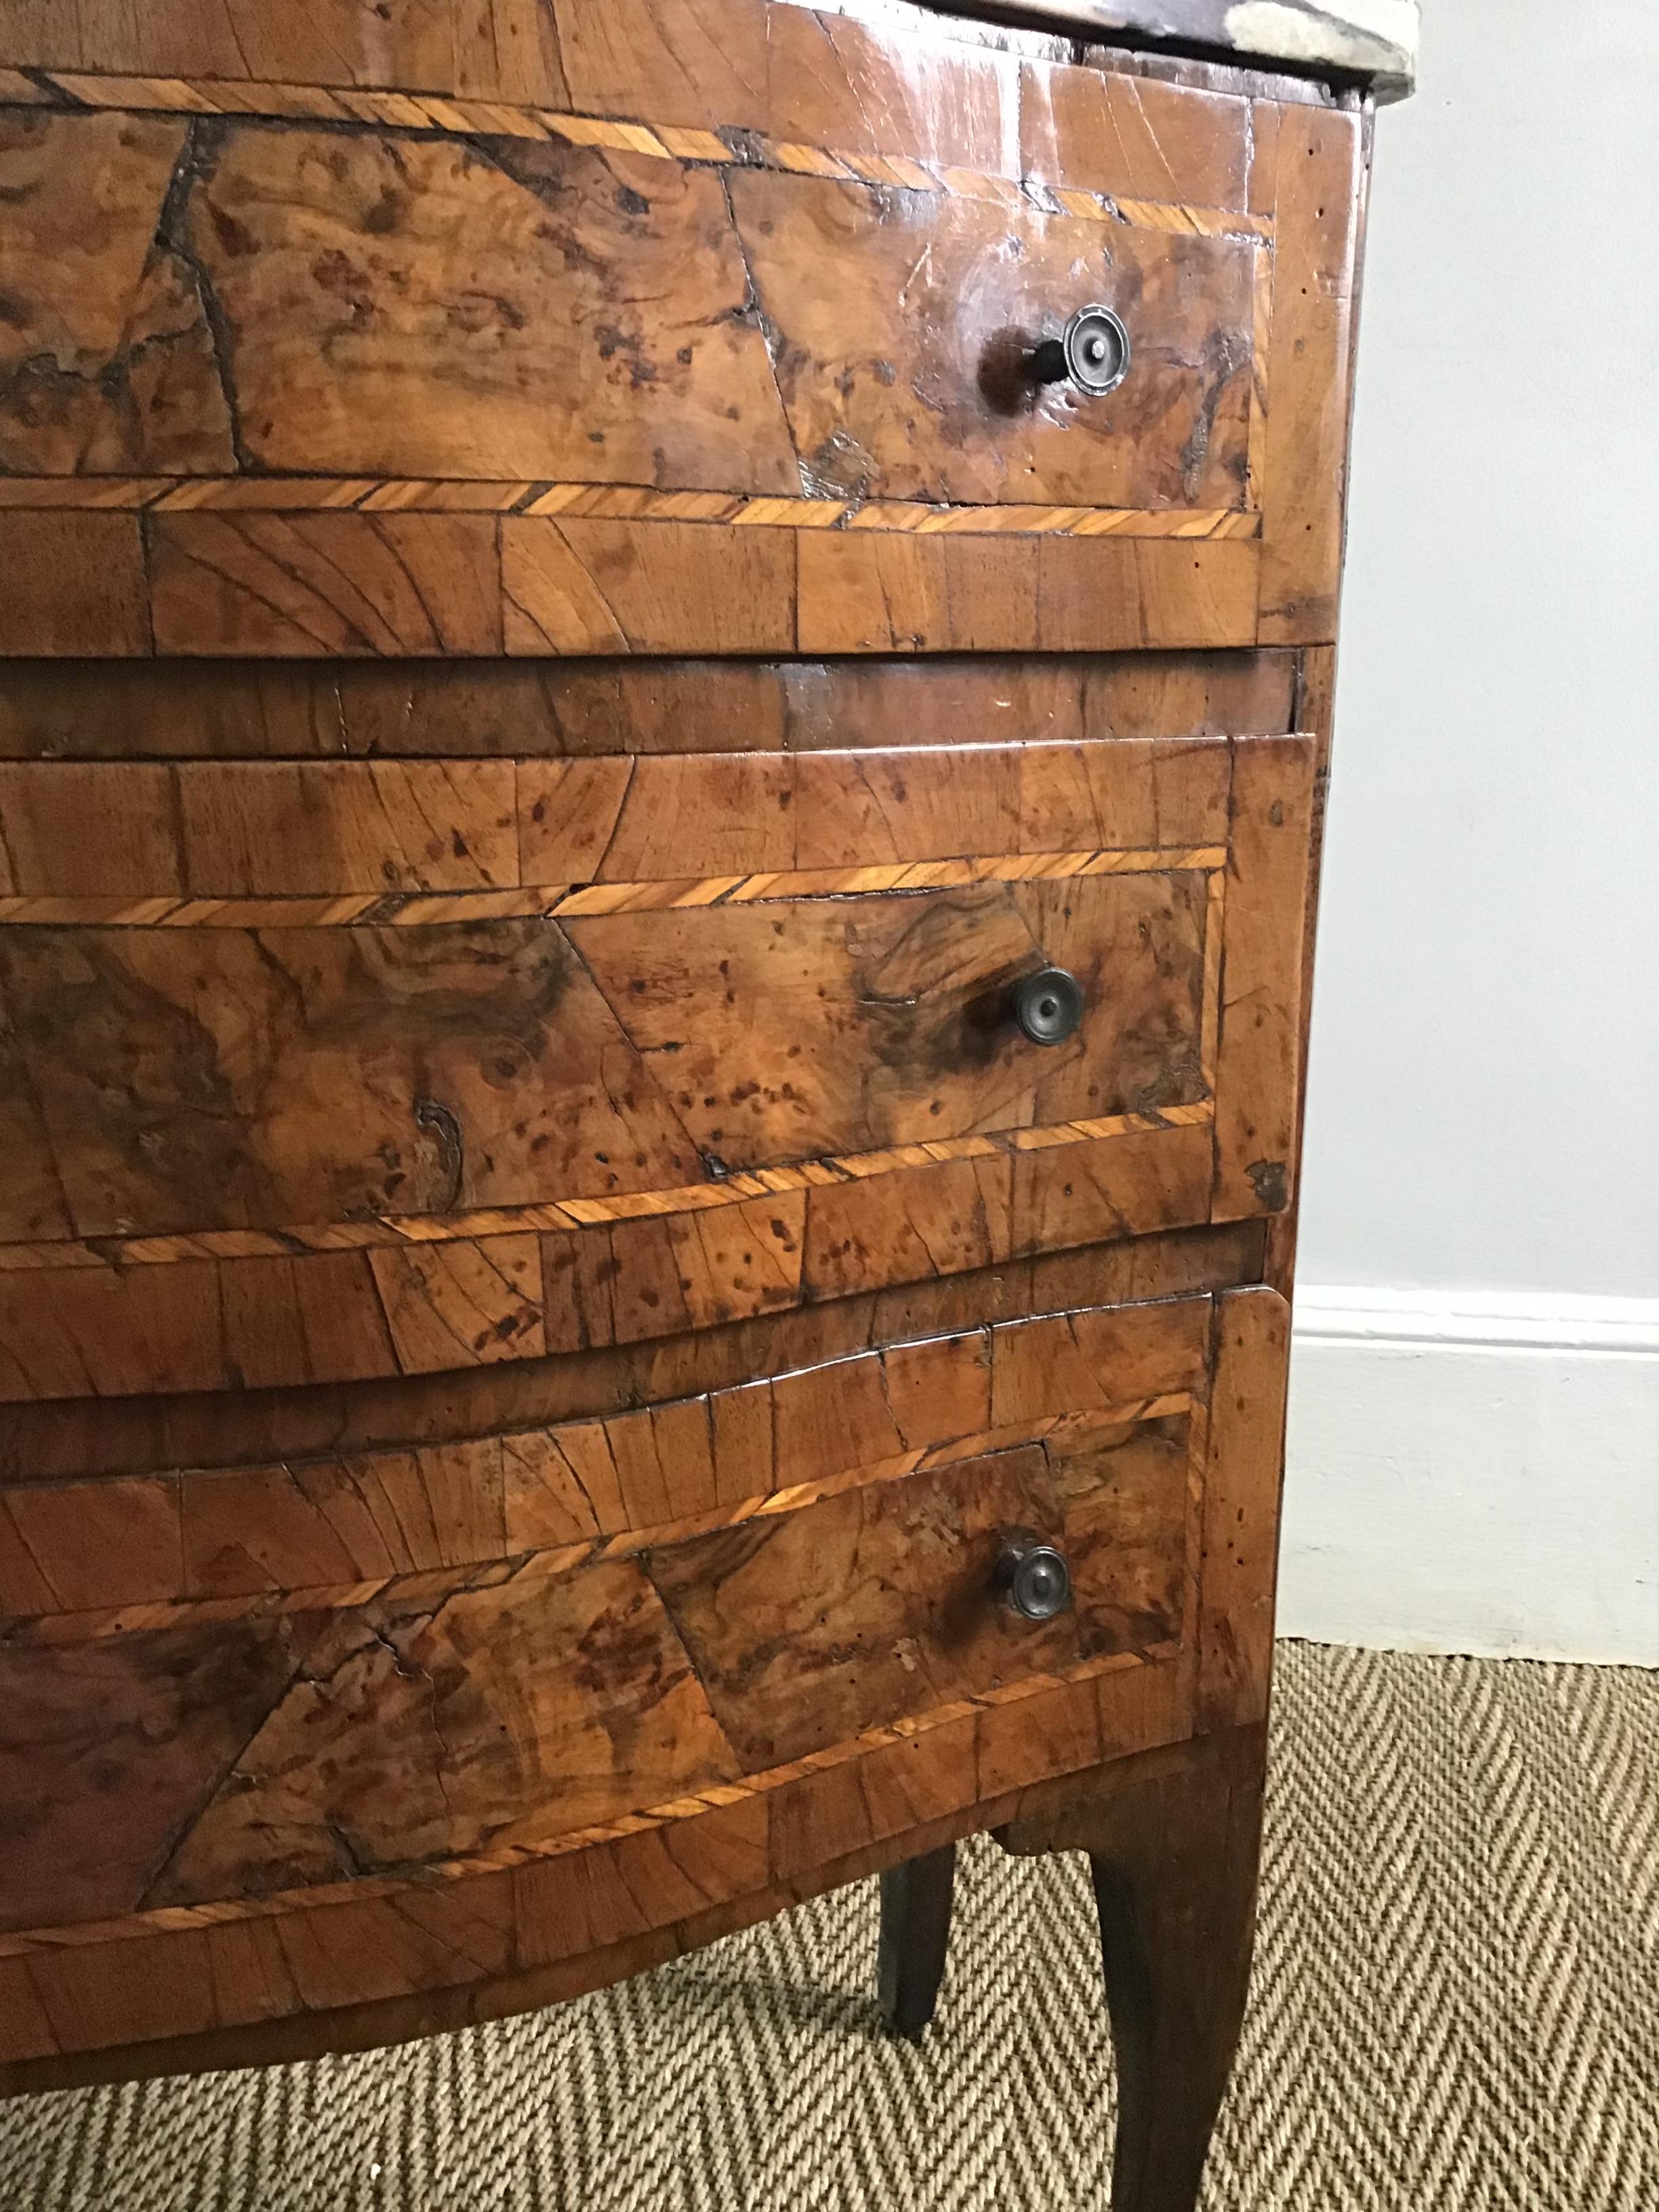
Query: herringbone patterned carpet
point(1455, 2009)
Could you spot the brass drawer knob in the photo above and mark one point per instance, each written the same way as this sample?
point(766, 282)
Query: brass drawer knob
point(1049, 1005)
point(1032, 1577)
point(1091, 353)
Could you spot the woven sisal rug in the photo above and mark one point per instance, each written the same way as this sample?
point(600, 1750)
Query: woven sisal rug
point(1455, 2009)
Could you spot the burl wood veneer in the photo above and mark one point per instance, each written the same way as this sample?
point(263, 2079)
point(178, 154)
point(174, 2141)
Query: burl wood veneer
point(655, 894)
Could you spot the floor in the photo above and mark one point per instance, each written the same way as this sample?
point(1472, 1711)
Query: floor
point(1456, 2007)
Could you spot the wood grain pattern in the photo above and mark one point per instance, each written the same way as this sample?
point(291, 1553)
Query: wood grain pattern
point(880, 1026)
point(884, 366)
point(377, 1962)
point(911, 1563)
point(910, 85)
point(460, 1305)
point(267, 582)
point(286, 581)
point(1241, 1507)
point(938, 1218)
point(106, 1747)
point(1259, 1053)
point(305, 1075)
point(398, 584)
point(623, 1281)
point(538, 1270)
point(597, 587)
point(457, 1229)
point(1131, 136)
point(107, 358)
point(413, 308)
point(514, 306)
point(844, 135)
point(802, 78)
point(73, 585)
point(1316, 158)
point(259, 1427)
point(1316, 707)
point(432, 1715)
point(322, 1074)
point(378, 826)
point(563, 901)
point(867, 593)
point(1103, 1392)
point(310, 710)
point(141, 833)
point(503, 49)
point(447, 1713)
point(167, 1321)
point(1123, 1497)
point(154, 843)
point(615, 1273)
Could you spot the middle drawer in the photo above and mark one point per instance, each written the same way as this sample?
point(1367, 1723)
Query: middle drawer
point(617, 1047)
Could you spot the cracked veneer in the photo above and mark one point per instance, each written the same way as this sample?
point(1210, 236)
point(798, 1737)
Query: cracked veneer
point(482, 1782)
point(753, 312)
point(197, 160)
point(289, 1627)
point(625, 1528)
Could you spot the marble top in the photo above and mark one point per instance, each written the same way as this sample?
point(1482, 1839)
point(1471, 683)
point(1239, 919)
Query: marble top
point(1372, 38)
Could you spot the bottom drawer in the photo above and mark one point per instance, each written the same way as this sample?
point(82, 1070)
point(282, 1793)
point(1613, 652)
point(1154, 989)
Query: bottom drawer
point(554, 1689)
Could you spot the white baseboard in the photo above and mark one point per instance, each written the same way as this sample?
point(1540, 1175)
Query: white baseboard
point(1474, 1472)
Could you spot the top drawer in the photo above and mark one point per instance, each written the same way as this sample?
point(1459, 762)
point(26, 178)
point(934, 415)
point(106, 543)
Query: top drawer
point(655, 1044)
point(409, 304)
point(715, 330)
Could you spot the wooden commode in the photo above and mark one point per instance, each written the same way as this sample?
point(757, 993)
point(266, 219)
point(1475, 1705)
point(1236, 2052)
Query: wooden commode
point(670, 675)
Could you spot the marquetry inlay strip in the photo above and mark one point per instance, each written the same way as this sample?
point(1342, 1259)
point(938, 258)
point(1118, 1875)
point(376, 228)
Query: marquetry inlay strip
point(481, 119)
point(176, 1918)
point(384, 1230)
point(610, 502)
point(1078, 1430)
point(554, 902)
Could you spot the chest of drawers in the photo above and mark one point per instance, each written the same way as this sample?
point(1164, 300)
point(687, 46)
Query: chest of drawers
point(659, 778)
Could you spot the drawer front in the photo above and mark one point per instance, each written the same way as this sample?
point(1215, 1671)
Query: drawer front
point(318, 1075)
point(904, 322)
point(730, 345)
point(538, 1645)
point(325, 1131)
point(543, 313)
point(415, 304)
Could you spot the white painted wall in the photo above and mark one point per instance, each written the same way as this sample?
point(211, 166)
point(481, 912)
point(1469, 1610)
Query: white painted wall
point(1483, 1123)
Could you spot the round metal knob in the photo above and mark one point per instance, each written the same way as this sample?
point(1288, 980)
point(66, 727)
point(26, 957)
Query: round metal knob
point(1092, 352)
point(1049, 1005)
point(1032, 1577)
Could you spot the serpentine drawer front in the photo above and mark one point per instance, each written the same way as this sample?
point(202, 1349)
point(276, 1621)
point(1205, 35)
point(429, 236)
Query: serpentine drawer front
point(671, 353)
point(479, 305)
point(348, 1140)
point(758, 1626)
point(667, 686)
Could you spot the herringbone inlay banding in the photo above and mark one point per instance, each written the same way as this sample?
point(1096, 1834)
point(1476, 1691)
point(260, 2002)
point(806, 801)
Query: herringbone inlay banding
point(472, 118)
point(1456, 2005)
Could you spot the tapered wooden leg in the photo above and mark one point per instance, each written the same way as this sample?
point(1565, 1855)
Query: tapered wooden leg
point(915, 1930)
point(1174, 1841)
